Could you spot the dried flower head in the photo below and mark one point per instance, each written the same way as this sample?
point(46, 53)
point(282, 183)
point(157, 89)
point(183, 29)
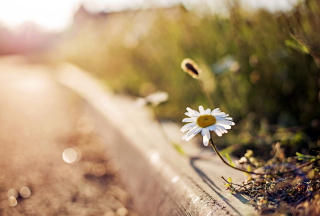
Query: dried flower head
point(190, 67)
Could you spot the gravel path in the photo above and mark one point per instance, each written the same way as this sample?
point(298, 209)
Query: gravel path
point(51, 160)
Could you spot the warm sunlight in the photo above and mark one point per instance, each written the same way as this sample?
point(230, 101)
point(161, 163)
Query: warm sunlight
point(56, 15)
point(50, 15)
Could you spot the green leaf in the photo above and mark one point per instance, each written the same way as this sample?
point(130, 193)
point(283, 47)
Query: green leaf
point(229, 181)
point(229, 159)
point(306, 157)
point(297, 44)
point(178, 148)
point(249, 169)
point(229, 149)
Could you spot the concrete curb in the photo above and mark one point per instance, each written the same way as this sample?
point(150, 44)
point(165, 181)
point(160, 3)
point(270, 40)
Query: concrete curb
point(161, 181)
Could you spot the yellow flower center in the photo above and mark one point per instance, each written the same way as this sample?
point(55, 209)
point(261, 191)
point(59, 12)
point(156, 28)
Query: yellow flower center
point(206, 120)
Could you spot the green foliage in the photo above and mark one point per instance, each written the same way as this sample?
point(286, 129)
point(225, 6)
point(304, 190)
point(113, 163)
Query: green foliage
point(229, 159)
point(229, 180)
point(250, 63)
point(306, 157)
point(295, 44)
point(178, 148)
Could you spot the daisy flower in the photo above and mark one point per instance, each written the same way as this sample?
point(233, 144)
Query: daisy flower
point(205, 121)
point(154, 99)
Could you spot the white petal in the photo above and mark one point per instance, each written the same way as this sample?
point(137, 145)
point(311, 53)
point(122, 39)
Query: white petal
point(193, 112)
point(193, 132)
point(188, 114)
point(215, 111)
point(212, 127)
point(221, 115)
point(225, 126)
point(206, 136)
point(193, 119)
point(187, 126)
point(184, 137)
point(189, 109)
point(218, 132)
point(225, 122)
point(207, 111)
point(201, 110)
point(222, 129)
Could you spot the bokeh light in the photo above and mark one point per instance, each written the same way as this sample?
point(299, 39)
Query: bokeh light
point(12, 201)
point(25, 192)
point(12, 192)
point(84, 125)
point(99, 169)
point(70, 155)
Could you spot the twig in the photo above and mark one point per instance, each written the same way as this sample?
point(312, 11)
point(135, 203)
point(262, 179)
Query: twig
point(254, 173)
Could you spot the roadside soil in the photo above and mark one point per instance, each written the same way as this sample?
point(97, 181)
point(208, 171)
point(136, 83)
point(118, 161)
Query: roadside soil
point(51, 160)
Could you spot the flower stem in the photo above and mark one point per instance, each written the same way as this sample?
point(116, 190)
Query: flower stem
point(176, 146)
point(164, 134)
point(254, 173)
point(205, 93)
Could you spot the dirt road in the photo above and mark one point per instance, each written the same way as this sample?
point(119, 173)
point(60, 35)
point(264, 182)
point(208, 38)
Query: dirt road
point(51, 160)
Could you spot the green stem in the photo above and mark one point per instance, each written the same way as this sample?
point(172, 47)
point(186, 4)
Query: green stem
point(176, 146)
point(249, 172)
point(206, 94)
point(164, 134)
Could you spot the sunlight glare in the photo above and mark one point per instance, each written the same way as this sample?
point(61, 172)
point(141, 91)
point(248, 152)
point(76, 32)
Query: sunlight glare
point(49, 15)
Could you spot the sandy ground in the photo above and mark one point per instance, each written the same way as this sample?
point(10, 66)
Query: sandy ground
point(51, 160)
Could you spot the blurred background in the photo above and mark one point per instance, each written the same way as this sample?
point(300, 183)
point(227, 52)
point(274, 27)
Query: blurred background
point(260, 59)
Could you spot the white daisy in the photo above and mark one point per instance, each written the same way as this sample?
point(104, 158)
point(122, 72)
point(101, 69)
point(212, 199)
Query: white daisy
point(153, 99)
point(205, 121)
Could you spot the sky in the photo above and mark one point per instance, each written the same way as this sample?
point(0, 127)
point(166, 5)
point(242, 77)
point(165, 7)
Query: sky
point(56, 15)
